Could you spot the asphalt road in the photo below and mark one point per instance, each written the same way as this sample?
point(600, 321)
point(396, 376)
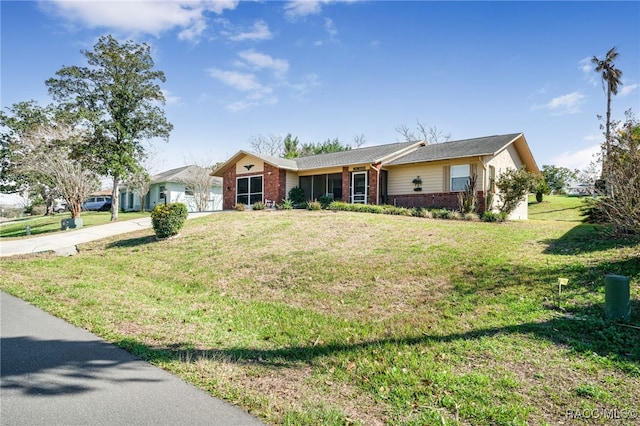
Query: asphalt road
point(55, 374)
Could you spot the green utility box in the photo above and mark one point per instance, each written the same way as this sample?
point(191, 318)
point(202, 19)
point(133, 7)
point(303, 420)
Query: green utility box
point(617, 298)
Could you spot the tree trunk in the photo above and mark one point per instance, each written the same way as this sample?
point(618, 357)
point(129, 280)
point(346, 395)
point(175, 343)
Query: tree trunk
point(114, 199)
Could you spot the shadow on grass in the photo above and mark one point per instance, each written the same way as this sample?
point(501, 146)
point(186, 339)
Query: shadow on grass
point(588, 238)
point(133, 242)
point(579, 330)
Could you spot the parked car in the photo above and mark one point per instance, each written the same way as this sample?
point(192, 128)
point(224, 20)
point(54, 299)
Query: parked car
point(98, 203)
point(60, 206)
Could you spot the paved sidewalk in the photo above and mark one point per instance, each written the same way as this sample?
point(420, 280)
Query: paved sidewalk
point(55, 374)
point(64, 242)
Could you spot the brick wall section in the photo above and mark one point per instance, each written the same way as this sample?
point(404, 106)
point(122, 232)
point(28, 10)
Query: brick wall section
point(275, 184)
point(346, 183)
point(229, 189)
point(373, 186)
point(441, 200)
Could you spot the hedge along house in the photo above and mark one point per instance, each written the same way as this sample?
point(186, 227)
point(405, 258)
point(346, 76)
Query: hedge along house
point(186, 185)
point(408, 174)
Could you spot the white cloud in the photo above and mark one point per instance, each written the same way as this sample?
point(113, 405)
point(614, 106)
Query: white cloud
point(262, 61)
point(330, 27)
point(170, 99)
point(238, 80)
point(587, 68)
point(628, 89)
point(259, 31)
point(565, 104)
point(301, 8)
point(142, 16)
point(578, 159)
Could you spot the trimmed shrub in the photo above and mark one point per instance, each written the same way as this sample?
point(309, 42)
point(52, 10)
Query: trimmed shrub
point(168, 220)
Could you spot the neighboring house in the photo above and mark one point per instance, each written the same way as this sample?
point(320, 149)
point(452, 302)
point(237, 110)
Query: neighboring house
point(409, 174)
point(183, 185)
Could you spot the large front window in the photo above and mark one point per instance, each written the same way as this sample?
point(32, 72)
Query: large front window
point(317, 186)
point(248, 190)
point(459, 177)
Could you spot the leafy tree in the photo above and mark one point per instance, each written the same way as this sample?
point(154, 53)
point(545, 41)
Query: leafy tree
point(20, 120)
point(330, 145)
point(611, 79)
point(120, 102)
point(557, 178)
point(291, 149)
point(514, 185)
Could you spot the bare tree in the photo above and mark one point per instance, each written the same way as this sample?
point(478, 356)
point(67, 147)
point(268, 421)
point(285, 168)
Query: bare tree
point(272, 145)
point(199, 182)
point(430, 135)
point(139, 184)
point(50, 147)
point(359, 140)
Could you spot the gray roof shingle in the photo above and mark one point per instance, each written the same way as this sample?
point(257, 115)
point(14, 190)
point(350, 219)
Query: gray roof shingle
point(181, 174)
point(366, 155)
point(457, 149)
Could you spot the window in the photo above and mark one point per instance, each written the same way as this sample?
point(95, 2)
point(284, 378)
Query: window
point(188, 191)
point(163, 191)
point(459, 177)
point(249, 190)
point(317, 186)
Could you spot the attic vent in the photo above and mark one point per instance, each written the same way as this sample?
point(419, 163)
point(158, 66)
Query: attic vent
point(248, 166)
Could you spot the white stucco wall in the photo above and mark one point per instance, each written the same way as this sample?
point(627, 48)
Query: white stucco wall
point(504, 160)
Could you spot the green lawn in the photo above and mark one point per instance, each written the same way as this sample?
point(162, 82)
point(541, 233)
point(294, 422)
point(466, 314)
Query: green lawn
point(47, 224)
point(339, 318)
point(556, 207)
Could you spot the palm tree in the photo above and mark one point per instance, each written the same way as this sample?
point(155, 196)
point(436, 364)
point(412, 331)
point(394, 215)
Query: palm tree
point(611, 75)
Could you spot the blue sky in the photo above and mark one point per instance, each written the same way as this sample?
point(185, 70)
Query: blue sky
point(326, 69)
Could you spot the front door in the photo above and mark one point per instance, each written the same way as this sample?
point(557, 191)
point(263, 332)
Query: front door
point(359, 187)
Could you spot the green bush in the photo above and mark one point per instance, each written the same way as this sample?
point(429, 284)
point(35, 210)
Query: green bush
point(259, 205)
point(490, 216)
point(296, 195)
point(168, 220)
point(325, 201)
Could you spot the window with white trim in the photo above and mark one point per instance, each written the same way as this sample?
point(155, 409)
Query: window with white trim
point(459, 177)
point(249, 190)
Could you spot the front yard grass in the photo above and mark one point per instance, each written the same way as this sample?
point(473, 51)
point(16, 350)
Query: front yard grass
point(47, 224)
point(348, 318)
